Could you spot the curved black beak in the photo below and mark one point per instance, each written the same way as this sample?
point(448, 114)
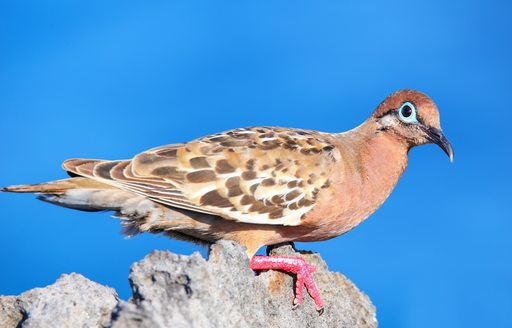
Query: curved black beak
point(436, 136)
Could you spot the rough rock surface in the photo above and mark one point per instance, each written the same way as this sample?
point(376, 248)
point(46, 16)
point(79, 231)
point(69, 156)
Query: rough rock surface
point(171, 290)
point(73, 301)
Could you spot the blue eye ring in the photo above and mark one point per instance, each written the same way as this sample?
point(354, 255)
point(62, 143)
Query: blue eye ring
point(407, 112)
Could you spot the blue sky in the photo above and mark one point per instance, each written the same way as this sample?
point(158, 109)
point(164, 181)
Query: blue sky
point(108, 80)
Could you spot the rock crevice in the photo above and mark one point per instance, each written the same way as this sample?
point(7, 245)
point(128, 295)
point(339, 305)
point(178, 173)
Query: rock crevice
point(171, 290)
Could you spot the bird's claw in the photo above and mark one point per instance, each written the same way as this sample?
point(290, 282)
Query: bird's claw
point(298, 266)
point(305, 279)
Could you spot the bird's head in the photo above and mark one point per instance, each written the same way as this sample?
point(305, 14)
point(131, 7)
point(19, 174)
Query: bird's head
point(414, 118)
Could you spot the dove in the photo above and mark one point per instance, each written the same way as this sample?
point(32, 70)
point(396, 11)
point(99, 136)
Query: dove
point(257, 186)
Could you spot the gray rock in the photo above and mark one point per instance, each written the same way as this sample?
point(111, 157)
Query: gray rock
point(10, 313)
point(187, 291)
point(73, 301)
point(171, 290)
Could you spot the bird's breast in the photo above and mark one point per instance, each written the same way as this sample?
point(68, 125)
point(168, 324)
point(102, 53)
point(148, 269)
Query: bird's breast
point(358, 188)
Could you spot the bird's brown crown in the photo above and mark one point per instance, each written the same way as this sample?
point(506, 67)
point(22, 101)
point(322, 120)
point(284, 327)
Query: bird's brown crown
point(426, 108)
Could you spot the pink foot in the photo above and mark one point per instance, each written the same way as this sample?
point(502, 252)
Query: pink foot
point(297, 265)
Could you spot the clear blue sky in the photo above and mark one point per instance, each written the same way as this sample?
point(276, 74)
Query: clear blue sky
point(108, 79)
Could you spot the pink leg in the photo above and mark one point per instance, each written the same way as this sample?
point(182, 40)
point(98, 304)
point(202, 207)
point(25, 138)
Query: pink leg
point(297, 265)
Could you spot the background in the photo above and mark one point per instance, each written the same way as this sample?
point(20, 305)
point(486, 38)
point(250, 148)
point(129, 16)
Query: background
point(108, 80)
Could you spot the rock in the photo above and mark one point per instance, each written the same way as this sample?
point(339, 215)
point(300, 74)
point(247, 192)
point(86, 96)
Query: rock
point(171, 290)
point(10, 312)
point(73, 301)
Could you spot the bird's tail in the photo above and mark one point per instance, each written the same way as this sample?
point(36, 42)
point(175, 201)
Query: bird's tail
point(58, 187)
point(76, 193)
point(138, 213)
point(89, 195)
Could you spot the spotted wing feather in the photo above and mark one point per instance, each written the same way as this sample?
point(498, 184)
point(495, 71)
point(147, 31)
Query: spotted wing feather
point(255, 175)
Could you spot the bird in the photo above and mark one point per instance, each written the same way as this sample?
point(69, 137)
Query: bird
point(257, 186)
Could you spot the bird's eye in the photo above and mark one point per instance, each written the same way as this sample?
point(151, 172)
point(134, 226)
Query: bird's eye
point(407, 112)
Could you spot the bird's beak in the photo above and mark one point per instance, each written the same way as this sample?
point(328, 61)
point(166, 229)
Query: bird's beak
point(436, 136)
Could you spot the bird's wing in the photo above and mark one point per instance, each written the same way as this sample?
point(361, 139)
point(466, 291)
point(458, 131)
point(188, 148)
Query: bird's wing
point(260, 175)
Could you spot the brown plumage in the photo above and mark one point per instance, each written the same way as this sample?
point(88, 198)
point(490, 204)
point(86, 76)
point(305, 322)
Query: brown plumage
point(258, 186)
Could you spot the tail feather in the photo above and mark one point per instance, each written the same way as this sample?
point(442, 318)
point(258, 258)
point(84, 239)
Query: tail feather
point(61, 200)
point(58, 187)
point(71, 193)
point(43, 188)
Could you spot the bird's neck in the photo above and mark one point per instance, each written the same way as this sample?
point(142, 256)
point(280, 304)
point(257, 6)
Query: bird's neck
point(382, 155)
point(373, 161)
point(374, 150)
